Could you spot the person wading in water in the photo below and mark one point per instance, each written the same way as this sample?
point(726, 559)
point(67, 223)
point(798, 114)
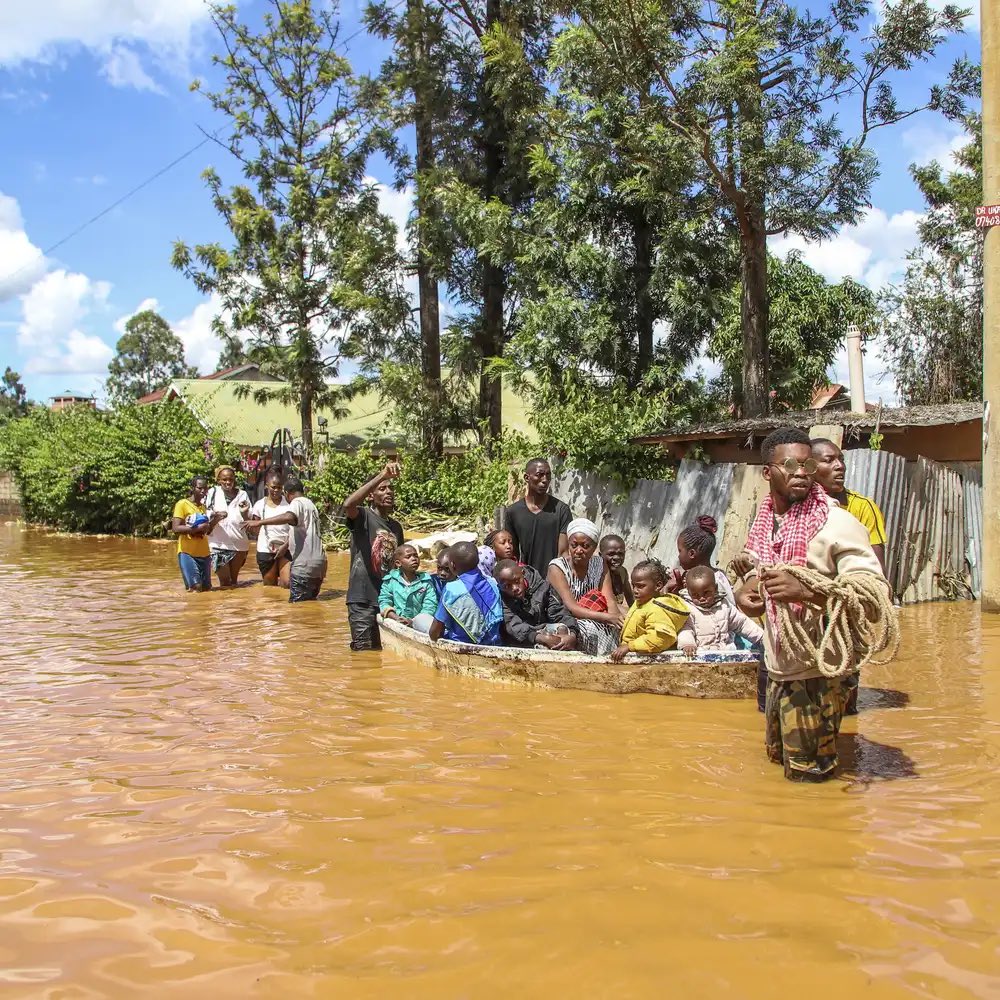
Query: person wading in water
point(830, 471)
point(375, 536)
point(798, 525)
point(228, 538)
point(538, 523)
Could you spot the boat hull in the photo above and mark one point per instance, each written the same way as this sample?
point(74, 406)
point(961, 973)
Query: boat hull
point(711, 675)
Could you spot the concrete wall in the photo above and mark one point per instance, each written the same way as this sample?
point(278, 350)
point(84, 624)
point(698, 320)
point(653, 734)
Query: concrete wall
point(10, 496)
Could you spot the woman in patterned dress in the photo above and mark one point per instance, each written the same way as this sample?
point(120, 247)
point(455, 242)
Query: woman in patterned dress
point(584, 585)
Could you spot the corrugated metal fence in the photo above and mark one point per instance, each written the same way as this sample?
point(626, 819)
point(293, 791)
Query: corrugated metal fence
point(933, 515)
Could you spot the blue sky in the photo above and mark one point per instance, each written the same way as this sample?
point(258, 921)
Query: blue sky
point(94, 99)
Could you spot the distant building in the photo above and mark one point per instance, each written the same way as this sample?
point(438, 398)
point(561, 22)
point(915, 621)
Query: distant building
point(952, 432)
point(834, 397)
point(241, 373)
point(64, 400)
point(225, 407)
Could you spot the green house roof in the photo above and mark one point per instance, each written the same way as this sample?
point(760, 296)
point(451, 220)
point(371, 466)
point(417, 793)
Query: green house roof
point(245, 422)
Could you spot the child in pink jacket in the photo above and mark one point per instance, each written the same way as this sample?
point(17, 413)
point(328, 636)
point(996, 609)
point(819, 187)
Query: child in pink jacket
point(713, 621)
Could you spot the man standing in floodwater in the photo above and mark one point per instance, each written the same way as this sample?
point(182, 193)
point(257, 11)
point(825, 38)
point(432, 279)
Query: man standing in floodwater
point(798, 525)
point(375, 536)
point(830, 470)
point(305, 542)
point(538, 523)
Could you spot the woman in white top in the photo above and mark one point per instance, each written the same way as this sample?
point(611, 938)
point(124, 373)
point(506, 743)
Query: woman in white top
point(273, 559)
point(228, 539)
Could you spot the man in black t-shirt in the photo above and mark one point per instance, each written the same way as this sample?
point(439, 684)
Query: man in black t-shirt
point(374, 538)
point(539, 521)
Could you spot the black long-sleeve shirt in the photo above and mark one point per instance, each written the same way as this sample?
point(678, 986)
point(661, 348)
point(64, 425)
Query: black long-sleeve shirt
point(540, 606)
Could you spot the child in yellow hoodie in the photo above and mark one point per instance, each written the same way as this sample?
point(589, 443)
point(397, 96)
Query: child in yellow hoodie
point(653, 621)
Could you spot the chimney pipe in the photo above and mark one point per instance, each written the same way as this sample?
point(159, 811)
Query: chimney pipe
point(856, 367)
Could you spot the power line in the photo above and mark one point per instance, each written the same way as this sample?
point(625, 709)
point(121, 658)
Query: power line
point(42, 254)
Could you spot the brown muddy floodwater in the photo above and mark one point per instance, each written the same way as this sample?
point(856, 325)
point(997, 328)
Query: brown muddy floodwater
point(210, 796)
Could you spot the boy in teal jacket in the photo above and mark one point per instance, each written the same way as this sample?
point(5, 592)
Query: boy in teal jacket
point(407, 594)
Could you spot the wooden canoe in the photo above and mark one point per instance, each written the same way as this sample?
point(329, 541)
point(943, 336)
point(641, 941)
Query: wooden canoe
point(710, 675)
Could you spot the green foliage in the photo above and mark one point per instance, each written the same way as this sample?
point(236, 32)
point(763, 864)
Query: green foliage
point(463, 488)
point(773, 105)
point(148, 355)
point(13, 396)
point(808, 321)
point(933, 321)
point(313, 275)
point(590, 424)
point(83, 470)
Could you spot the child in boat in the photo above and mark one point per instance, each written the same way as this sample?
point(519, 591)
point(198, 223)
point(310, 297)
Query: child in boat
point(407, 594)
point(470, 609)
point(612, 551)
point(502, 543)
point(654, 620)
point(695, 545)
point(445, 571)
point(714, 623)
point(533, 615)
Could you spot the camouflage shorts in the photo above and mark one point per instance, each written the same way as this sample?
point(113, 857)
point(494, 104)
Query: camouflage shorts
point(802, 720)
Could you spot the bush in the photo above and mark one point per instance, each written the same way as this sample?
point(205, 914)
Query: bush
point(121, 472)
point(463, 489)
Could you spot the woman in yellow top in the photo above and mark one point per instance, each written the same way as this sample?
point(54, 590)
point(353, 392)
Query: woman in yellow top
point(191, 524)
point(653, 621)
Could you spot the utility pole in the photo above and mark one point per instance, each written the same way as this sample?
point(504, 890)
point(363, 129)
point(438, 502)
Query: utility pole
point(990, 35)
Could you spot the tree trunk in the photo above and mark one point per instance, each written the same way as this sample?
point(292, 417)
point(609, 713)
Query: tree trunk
point(754, 309)
point(494, 280)
point(754, 306)
point(642, 268)
point(427, 285)
point(306, 418)
point(490, 387)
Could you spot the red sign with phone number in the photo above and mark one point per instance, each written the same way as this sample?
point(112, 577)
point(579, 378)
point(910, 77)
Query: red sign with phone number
point(987, 215)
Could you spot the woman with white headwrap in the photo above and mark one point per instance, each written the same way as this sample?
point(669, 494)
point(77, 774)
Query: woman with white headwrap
point(582, 582)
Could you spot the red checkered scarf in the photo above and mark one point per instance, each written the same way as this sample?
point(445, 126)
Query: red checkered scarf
point(789, 544)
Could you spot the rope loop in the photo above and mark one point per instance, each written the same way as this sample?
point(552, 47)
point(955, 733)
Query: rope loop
point(861, 623)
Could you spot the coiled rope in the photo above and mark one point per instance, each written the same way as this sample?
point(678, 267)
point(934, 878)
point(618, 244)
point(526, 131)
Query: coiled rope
point(861, 622)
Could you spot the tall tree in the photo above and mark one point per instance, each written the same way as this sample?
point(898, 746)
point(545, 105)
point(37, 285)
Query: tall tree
point(13, 396)
point(416, 78)
point(313, 277)
point(756, 89)
point(147, 356)
point(620, 265)
point(933, 322)
point(809, 317)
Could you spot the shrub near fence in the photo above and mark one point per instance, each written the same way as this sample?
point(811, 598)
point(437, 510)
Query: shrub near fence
point(462, 489)
point(121, 472)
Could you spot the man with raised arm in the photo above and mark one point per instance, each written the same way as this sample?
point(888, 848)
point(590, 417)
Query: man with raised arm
point(798, 525)
point(538, 522)
point(375, 536)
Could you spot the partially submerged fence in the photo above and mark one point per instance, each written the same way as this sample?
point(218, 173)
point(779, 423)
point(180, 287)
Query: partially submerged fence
point(933, 515)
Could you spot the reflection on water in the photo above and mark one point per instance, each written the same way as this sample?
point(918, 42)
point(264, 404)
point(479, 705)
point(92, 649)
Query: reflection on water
point(210, 796)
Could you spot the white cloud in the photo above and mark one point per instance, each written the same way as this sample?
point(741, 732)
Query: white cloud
point(114, 30)
point(201, 345)
point(873, 252)
point(397, 205)
point(21, 262)
point(122, 68)
point(926, 142)
point(49, 333)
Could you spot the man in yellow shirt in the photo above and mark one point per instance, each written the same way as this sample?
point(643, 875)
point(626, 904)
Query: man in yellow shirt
point(191, 524)
point(830, 469)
